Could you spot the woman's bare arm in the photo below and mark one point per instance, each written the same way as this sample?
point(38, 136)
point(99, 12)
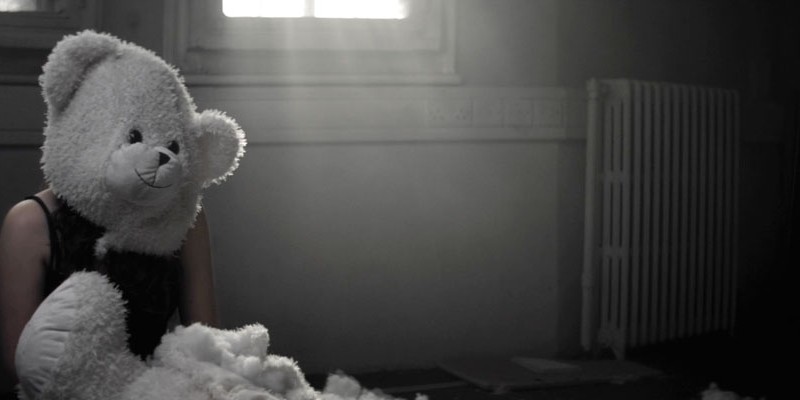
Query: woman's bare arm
point(198, 303)
point(24, 250)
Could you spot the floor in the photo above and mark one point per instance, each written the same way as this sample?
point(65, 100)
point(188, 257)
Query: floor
point(662, 388)
point(687, 369)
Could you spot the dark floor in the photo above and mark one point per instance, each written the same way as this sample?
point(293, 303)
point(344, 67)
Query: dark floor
point(758, 370)
point(687, 369)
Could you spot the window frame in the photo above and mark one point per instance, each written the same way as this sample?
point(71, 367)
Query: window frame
point(202, 42)
point(43, 29)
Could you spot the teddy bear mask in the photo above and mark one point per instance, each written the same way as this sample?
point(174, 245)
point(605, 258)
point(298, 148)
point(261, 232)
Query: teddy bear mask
point(124, 145)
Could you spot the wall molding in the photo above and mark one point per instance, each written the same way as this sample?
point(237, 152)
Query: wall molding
point(364, 114)
point(375, 114)
point(400, 114)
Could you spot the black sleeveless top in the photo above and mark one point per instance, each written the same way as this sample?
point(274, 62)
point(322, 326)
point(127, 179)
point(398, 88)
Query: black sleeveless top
point(150, 285)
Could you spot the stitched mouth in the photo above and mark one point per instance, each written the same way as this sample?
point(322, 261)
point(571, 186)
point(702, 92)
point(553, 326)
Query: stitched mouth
point(148, 183)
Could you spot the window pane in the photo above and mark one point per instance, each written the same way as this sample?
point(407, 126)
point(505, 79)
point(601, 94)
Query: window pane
point(264, 8)
point(26, 5)
point(374, 9)
point(371, 9)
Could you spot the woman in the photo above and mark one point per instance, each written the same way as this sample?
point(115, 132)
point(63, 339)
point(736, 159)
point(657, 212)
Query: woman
point(42, 241)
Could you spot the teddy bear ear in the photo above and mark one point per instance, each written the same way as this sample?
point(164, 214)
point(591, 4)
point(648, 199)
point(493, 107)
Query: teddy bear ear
point(222, 144)
point(68, 62)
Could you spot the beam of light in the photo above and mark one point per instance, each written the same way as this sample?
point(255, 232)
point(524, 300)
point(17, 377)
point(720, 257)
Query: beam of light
point(364, 9)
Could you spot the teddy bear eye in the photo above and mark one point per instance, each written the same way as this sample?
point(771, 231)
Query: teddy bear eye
point(174, 147)
point(134, 136)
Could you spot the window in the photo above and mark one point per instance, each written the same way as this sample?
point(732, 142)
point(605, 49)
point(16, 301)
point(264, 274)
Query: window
point(27, 5)
point(365, 9)
point(41, 23)
point(312, 41)
point(30, 28)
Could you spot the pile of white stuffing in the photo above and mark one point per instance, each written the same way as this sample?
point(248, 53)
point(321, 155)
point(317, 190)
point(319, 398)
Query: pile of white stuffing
point(75, 347)
point(715, 393)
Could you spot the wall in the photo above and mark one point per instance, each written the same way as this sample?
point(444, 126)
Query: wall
point(390, 240)
point(364, 236)
point(699, 42)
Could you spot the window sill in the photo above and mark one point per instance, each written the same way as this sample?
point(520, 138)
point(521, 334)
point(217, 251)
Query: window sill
point(320, 80)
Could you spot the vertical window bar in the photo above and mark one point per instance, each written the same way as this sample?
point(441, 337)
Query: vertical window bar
point(309, 9)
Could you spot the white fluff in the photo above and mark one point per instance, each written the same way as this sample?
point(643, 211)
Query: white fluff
point(84, 321)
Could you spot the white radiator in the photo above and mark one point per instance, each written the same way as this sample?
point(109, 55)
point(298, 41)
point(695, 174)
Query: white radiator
point(661, 213)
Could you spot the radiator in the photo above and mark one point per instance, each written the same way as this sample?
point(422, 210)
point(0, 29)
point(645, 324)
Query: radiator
point(661, 213)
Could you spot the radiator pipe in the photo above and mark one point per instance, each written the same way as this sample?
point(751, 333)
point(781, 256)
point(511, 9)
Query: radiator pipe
point(589, 303)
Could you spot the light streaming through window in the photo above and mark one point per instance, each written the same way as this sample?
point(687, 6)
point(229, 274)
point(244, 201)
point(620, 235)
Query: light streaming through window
point(363, 9)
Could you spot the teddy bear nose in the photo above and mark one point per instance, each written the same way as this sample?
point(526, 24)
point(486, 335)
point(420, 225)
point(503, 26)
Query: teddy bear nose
point(162, 159)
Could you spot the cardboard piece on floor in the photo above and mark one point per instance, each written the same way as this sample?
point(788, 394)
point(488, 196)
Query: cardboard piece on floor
point(502, 374)
point(543, 365)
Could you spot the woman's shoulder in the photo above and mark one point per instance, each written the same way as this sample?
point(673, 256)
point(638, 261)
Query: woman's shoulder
point(24, 240)
point(26, 220)
point(49, 198)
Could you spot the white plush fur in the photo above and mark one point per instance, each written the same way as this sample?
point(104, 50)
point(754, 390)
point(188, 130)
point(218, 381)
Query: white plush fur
point(195, 362)
point(98, 90)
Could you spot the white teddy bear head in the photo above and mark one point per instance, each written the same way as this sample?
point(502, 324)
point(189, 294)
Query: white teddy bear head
point(124, 145)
